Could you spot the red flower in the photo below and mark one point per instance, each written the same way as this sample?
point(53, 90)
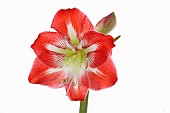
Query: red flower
point(75, 56)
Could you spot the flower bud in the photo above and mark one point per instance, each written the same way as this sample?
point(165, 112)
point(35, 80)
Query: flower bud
point(106, 24)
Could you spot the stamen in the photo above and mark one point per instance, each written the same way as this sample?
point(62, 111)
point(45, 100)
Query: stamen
point(64, 81)
point(80, 46)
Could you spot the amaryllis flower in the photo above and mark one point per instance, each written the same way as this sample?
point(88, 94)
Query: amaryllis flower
point(76, 56)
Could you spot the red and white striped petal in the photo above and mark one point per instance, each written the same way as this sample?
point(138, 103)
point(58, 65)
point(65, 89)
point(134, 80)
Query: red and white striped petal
point(49, 47)
point(102, 77)
point(42, 74)
point(98, 46)
point(78, 92)
point(65, 18)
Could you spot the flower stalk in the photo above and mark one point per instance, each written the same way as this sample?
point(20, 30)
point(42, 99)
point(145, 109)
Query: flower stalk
point(84, 104)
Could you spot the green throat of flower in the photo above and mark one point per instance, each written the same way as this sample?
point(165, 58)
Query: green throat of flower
point(75, 63)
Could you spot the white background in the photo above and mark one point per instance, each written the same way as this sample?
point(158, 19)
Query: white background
point(141, 56)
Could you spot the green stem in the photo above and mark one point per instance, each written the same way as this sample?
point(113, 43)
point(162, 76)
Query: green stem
point(83, 105)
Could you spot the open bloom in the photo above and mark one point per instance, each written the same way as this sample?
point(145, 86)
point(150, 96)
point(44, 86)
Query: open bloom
point(75, 56)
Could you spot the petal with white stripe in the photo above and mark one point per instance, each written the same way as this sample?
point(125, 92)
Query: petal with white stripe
point(50, 48)
point(102, 77)
point(44, 75)
point(75, 17)
point(76, 92)
point(98, 46)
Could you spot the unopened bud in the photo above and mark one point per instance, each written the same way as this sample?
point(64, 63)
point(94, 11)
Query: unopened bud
point(106, 24)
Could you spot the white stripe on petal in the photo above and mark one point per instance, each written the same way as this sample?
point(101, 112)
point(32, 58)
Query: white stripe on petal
point(53, 70)
point(55, 49)
point(91, 48)
point(95, 70)
point(71, 31)
point(72, 34)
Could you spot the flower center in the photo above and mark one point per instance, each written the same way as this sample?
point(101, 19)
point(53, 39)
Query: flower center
point(75, 61)
point(74, 64)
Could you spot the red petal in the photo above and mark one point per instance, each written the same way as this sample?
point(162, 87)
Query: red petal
point(78, 19)
point(51, 58)
point(76, 93)
point(103, 43)
point(41, 74)
point(105, 77)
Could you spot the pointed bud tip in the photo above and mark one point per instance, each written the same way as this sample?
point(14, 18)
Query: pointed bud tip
point(106, 24)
